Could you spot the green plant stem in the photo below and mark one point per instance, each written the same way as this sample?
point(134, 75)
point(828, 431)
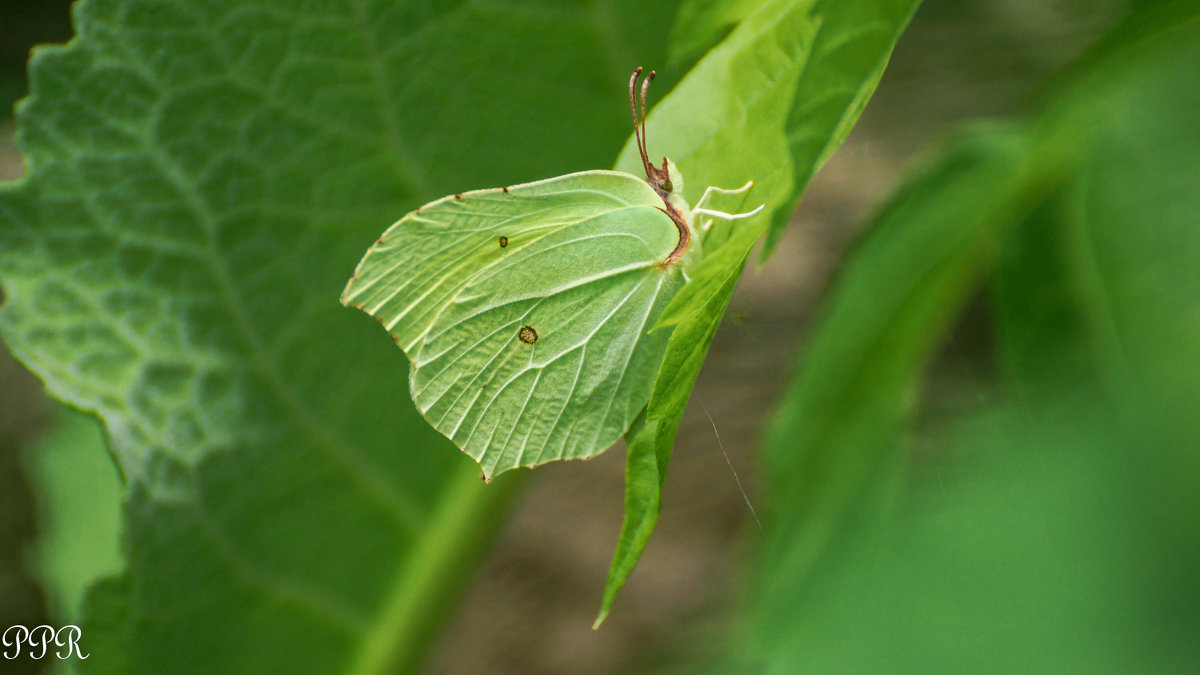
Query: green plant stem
point(423, 589)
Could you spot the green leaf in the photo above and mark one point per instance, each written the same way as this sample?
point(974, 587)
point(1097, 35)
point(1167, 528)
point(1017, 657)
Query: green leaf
point(1056, 529)
point(832, 453)
point(202, 177)
point(79, 494)
point(768, 104)
point(525, 311)
point(1131, 212)
point(1126, 237)
point(1014, 551)
point(700, 25)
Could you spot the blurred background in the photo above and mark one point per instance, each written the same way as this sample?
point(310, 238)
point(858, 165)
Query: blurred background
point(531, 605)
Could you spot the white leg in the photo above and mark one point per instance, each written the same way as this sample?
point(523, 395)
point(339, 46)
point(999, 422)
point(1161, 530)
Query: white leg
point(725, 191)
point(729, 216)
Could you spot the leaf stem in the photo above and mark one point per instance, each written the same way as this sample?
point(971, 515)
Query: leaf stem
point(457, 532)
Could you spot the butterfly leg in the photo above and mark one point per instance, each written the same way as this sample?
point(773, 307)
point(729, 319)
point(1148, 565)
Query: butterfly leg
point(725, 191)
point(729, 216)
point(721, 214)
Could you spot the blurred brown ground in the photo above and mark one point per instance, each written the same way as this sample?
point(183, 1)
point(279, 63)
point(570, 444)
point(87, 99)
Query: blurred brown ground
point(22, 411)
point(530, 607)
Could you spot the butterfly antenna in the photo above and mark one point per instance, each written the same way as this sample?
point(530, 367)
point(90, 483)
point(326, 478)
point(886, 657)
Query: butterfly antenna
point(645, 151)
point(637, 135)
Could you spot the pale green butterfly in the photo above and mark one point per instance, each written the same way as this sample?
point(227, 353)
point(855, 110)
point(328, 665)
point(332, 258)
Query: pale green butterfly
point(526, 311)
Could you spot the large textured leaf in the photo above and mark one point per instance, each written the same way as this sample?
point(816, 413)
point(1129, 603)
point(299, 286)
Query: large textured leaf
point(202, 177)
point(768, 104)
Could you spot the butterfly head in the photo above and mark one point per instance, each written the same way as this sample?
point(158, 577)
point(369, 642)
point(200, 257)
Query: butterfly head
point(660, 179)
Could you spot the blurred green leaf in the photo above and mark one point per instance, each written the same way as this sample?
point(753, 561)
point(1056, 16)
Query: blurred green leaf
point(202, 178)
point(768, 104)
point(700, 25)
point(1057, 530)
point(1130, 230)
point(833, 455)
point(79, 500)
point(1012, 554)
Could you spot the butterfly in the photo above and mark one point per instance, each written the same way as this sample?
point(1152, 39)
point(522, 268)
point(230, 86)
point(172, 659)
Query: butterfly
point(528, 311)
